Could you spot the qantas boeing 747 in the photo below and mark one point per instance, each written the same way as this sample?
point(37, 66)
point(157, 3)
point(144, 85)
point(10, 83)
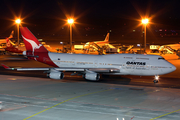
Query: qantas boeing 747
point(91, 66)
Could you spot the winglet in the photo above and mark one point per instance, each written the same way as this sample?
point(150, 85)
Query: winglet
point(5, 66)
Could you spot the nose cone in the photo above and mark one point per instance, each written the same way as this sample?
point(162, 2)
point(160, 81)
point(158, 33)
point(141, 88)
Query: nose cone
point(173, 68)
point(170, 68)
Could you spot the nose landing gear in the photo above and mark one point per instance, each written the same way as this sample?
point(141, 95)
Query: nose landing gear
point(156, 79)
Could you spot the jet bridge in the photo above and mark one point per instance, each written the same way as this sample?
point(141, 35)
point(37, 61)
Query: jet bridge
point(96, 48)
point(178, 53)
point(168, 49)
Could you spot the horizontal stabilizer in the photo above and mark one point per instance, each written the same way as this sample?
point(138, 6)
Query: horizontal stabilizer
point(5, 66)
point(31, 56)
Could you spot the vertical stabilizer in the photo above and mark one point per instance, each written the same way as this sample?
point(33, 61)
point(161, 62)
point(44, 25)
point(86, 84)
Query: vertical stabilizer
point(31, 42)
point(9, 43)
point(11, 35)
point(107, 38)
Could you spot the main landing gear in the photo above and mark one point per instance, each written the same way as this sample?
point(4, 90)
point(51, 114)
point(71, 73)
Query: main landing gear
point(156, 79)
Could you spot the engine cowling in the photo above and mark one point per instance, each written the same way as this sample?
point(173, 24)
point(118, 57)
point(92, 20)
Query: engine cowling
point(56, 75)
point(92, 76)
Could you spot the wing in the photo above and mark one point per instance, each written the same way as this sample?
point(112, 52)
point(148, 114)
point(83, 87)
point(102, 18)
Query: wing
point(84, 70)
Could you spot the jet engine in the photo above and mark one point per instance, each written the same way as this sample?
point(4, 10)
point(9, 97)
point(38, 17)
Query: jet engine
point(56, 75)
point(92, 76)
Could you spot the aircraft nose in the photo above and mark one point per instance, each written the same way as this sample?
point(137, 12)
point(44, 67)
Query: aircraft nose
point(173, 68)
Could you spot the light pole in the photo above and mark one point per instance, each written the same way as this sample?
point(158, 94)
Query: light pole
point(18, 21)
point(70, 21)
point(145, 22)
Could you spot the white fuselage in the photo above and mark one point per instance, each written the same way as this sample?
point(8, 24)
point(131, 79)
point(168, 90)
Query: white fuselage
point(128, 64)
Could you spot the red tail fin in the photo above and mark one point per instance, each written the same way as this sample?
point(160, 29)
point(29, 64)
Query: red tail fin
point(8, 43)
point(31, 42)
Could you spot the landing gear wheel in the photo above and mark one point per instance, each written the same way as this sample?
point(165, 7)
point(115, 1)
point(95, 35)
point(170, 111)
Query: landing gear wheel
point(155, 81)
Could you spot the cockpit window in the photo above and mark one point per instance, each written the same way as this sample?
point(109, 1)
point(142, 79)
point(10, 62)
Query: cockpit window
point(161, 58)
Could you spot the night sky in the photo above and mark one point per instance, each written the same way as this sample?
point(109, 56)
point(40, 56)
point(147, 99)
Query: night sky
point(48, 16)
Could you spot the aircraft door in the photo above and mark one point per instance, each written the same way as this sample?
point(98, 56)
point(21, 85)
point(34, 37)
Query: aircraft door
point(73, 62)
point(96, 63)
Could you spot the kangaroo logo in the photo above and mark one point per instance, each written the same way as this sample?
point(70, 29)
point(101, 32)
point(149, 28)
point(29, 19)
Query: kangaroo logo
point(33, 44)
point(8, 43)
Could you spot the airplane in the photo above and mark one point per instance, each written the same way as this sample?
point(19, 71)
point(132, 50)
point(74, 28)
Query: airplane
point(13, 48)
point(91, 66)
point(99, 43)
point(10, 47)
point(4, 40)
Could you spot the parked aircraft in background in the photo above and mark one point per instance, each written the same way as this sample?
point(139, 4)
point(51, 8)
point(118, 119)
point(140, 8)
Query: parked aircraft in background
point(4, 40)
point(100, 46)
point(11, 47)
point(99, 43)
point(3, 43)
point(91, 66)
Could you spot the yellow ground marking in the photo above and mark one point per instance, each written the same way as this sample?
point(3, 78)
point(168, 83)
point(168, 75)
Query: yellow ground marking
point(165, 114)
point(66, 101)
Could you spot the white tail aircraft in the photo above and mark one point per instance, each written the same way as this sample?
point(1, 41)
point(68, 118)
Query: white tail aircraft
point(91, 66)
point(99, 43)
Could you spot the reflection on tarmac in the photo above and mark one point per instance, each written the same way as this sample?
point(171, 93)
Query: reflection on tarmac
point(41, 98)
